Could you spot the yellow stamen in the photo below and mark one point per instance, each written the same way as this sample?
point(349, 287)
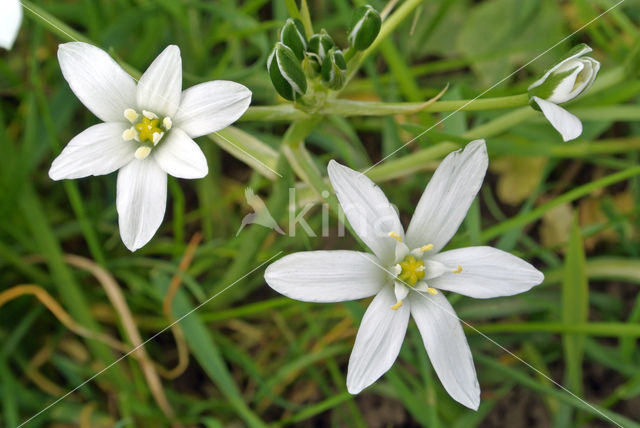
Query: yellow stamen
point(142, 152)
point(395, 236)
point(397, 305)
point(432, 291)
point(131, 115)
point(426, 248)
point(147, 128)
point(149, 114)
point(167, 123)
point(129, 134)
point(458, 269)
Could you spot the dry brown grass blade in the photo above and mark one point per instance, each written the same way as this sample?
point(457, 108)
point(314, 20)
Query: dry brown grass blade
point(115, 295)
point(174, 286)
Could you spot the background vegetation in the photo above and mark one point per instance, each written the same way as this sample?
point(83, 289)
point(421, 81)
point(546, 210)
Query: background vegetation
point(251, 357)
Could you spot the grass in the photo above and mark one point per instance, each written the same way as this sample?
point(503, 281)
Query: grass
point(248, 356)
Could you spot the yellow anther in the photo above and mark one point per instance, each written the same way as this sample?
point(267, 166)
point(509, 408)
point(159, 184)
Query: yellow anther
point(142, 152)
point(131, 115)
point(129, 134)
point(157, 136)
point(432, 291)
point(395, 236)
point(149, 114)
point(458, 269)
point(412, 270)
point(147, 128)
point(167, 123)
point(426, 248)
point(397, 305)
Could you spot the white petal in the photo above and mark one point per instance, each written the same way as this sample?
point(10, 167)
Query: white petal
point(10, 20)
point(586, 49)
point(160, 86)
point(97, 150)
point(326, 276)
point(400, 291)
point(180, 156)
point(97, 80)
point(378, 341)
point(447, 347)
point(211, 106)
point(367, 209)
point(448, 195)
point(434, 269)
point(141, 201)
point(564, 122)
point(486, 272)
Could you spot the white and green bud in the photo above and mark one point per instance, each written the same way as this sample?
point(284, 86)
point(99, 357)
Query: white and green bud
point(292, 36)
point(364, 28)
point(334, 69)
point(566, 80)
point(286, 73)
point(319, 45)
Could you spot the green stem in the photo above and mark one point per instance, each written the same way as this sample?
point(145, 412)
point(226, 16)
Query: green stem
point(49, 21)
point(607, 329)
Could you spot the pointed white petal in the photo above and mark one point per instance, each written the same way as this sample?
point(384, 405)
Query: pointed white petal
point(160, 86)
point(326, 276)
point(10, 20)
point(378, 340)
point(180, 156)
point(141, 201)
point(211, 106)
point(568, 125)
point(486, 272)
point(367, 209)
point(448, 195)
point(97, 150)
point(447, 347)
point(400, 290)
point(97, 80)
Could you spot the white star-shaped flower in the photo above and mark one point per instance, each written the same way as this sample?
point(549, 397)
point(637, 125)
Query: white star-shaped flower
point(406, 271)
point(147, 133)
point(10, 20)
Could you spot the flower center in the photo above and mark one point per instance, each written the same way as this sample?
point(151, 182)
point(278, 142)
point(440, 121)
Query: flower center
point(412, 270)
point(146, 129)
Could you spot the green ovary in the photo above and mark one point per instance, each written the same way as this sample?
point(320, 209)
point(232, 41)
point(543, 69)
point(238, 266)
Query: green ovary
point(412, 270)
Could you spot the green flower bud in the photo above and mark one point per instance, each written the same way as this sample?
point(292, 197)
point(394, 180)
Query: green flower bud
point(292, 36)
point(319, 45)
point(334, 69)
point(285, 73)
point(364, 28)
point(566, 80)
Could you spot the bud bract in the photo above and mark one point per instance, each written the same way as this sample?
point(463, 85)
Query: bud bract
point(334, 69)
point(319, 45)
point(286, 73)
point(364, 28)
point(569, 78)
point(292, 36)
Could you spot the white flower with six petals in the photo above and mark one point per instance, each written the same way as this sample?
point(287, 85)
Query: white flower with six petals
point(147, 133)
point(406, 271)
